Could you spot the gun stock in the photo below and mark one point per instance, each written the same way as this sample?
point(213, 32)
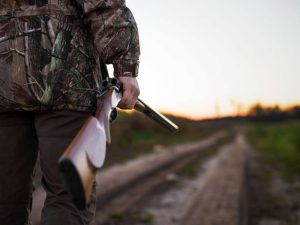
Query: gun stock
point(76, 168)
point(86, 153)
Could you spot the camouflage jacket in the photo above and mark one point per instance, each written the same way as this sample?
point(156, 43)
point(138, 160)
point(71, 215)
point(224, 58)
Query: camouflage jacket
point(52, 52)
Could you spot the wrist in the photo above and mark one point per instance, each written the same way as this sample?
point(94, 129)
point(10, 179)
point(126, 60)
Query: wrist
point(126, 68)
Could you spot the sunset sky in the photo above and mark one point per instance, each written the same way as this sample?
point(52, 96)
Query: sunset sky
point(205, 58)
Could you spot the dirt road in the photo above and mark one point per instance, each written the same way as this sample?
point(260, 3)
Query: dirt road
point(187, 184)
point(214, 194)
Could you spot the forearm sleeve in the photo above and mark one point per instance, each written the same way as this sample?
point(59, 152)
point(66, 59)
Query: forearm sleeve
point(115, 34)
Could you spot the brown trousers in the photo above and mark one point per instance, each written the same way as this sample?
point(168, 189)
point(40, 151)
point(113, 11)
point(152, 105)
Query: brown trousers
point(22, 136)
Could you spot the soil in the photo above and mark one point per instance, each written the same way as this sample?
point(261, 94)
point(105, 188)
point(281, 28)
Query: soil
point(190, 196)
point(272, 200)
point(169, 202)
point(197, 183)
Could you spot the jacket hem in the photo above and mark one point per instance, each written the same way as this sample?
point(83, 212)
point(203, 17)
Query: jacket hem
point(42, 108)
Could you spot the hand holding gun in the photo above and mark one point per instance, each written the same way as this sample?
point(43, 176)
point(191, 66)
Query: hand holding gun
point(86, 153)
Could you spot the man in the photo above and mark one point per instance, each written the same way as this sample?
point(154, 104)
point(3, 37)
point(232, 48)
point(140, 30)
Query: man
point(52, 53)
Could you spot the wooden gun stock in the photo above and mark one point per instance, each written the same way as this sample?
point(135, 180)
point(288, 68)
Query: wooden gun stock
point(86, 153)
point(75, 165)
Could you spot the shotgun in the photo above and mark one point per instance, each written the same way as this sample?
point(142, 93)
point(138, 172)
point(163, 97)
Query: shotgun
point(86, 153)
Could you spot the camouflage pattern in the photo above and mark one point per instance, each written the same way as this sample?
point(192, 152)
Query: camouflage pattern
point(51, 51)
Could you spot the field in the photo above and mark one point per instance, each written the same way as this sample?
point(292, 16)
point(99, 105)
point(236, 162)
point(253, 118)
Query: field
point(279, 144)
point(134, 135)
point(274, 173)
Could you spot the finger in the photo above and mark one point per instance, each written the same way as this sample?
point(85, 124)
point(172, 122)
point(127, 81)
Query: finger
point(125, 102)
point(130, 93)
point(129, 100)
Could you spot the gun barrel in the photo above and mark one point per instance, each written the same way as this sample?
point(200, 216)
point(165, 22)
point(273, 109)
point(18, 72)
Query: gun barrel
point(155, 115)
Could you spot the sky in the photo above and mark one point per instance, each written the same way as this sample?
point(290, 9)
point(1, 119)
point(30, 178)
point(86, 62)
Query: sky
point(206, 58)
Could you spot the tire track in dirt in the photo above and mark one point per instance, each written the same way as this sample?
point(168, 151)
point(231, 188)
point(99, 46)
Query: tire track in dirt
point(214, 195)
point(149, 170)
point(221, 197)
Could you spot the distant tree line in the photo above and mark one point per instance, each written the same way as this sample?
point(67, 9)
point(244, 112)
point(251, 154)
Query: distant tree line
point(273, 113)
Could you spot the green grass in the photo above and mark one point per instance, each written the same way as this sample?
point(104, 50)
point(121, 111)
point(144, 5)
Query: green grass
point(147, 218)
point(134, 135)
point(189, 170)
point(279, 144)
point(116, 215)
point(145, 137)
